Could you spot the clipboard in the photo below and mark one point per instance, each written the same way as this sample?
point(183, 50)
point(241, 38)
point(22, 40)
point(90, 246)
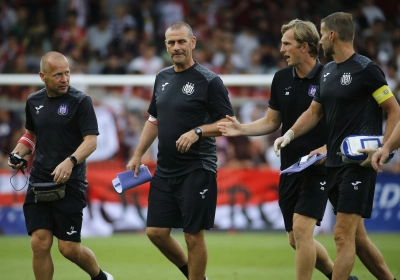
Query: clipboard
point(126, 180)
point(303, 163)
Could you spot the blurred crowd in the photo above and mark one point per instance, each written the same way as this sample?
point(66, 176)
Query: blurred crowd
point(127, 37)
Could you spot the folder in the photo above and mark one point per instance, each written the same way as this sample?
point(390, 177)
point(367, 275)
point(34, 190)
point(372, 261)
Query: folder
point(303, 163)
point(126, 180)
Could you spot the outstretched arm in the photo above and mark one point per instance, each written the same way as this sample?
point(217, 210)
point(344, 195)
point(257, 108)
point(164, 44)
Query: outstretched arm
point(270, 123)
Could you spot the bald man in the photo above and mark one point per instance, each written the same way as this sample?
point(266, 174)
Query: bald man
point(61, 127)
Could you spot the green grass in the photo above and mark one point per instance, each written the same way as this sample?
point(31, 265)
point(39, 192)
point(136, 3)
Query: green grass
point(232, 256)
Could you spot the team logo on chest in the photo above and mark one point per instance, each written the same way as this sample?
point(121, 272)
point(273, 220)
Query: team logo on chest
point(312, 90)
point(63, 109)
point(346, 79)
point(38, 108)
point(164, 85)
point(188, 89)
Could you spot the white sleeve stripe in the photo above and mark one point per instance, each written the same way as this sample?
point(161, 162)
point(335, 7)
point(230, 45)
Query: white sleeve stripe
point(29, 141)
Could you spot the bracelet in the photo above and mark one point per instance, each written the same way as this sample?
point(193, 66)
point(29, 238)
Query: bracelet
point(28, 140)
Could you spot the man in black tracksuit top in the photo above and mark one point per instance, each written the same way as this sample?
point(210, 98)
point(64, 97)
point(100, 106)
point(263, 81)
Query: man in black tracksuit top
point(188, 101)
point(353, 92)
point(302, 196)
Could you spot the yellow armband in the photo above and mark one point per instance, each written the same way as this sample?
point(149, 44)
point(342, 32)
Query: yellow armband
point(382, 94)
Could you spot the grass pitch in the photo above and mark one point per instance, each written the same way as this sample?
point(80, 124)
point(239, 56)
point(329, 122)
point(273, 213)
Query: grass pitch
point(232, 256)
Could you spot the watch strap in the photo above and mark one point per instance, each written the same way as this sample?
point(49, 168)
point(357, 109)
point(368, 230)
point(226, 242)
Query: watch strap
point(73, 160)
point(198, 131)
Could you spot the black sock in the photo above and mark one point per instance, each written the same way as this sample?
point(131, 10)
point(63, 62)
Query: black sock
point(100, 276)
point(329, 275)
point(185, 270)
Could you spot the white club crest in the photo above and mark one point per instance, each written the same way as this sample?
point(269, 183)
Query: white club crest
point(38, 108)
point(164, 85)
point(188, 89)
point(346, 79)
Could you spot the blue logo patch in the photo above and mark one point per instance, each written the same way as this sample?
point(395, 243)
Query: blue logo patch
point(312, 90)
point(63, 109)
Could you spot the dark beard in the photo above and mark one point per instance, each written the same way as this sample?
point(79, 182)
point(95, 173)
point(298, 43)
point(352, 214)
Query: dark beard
point(329, 52)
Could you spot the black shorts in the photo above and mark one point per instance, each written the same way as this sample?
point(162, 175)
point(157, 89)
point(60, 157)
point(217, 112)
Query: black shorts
point(63, 217)
point(351, 189)
point(188, 201)
point(304, 193)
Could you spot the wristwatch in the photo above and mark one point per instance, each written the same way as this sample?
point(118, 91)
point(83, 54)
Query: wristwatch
point(73, 159)
point(198, 131)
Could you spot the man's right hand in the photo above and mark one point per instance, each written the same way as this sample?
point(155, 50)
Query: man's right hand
point(231, 128)
point(379, 158)
point(282, 141)
point(134, 164)
point(15, 166)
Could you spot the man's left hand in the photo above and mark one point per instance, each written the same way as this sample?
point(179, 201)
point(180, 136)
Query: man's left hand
point(320, 151)
point(62, 172)
point(186, 140)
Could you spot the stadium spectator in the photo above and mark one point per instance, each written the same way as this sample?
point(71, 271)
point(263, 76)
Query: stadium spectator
point(145, 14)
point(148, 62)
point(131, 135)
point(391, 78)
point(17, 66)
point(100, 36)
point(33, 58)
point(192, 98)
point(11, 49)
point(168, 12)
point(19, 28)
point(329, 6)
point(372, 12)
point(96, 63)
point(301, 199)
point(107, 141)
point(350, 107)
point(70, 34)
point(200, 55)
point(126, 47)
point(8, 16)
point(245, 42)
point(256, 66)
point(228, 54)
point(114, 66)
point(66, 134)
point(38, 33)
point(81, 7)
point(382, 40)
point(121, 20)
point(9, 124)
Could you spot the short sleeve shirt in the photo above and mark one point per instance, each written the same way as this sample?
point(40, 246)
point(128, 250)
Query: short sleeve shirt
point(291, 96)
point(60, 123)
point(346, 96)
point(182, 101)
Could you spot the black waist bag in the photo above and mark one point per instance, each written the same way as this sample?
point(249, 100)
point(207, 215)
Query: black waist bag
point(48, 191)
